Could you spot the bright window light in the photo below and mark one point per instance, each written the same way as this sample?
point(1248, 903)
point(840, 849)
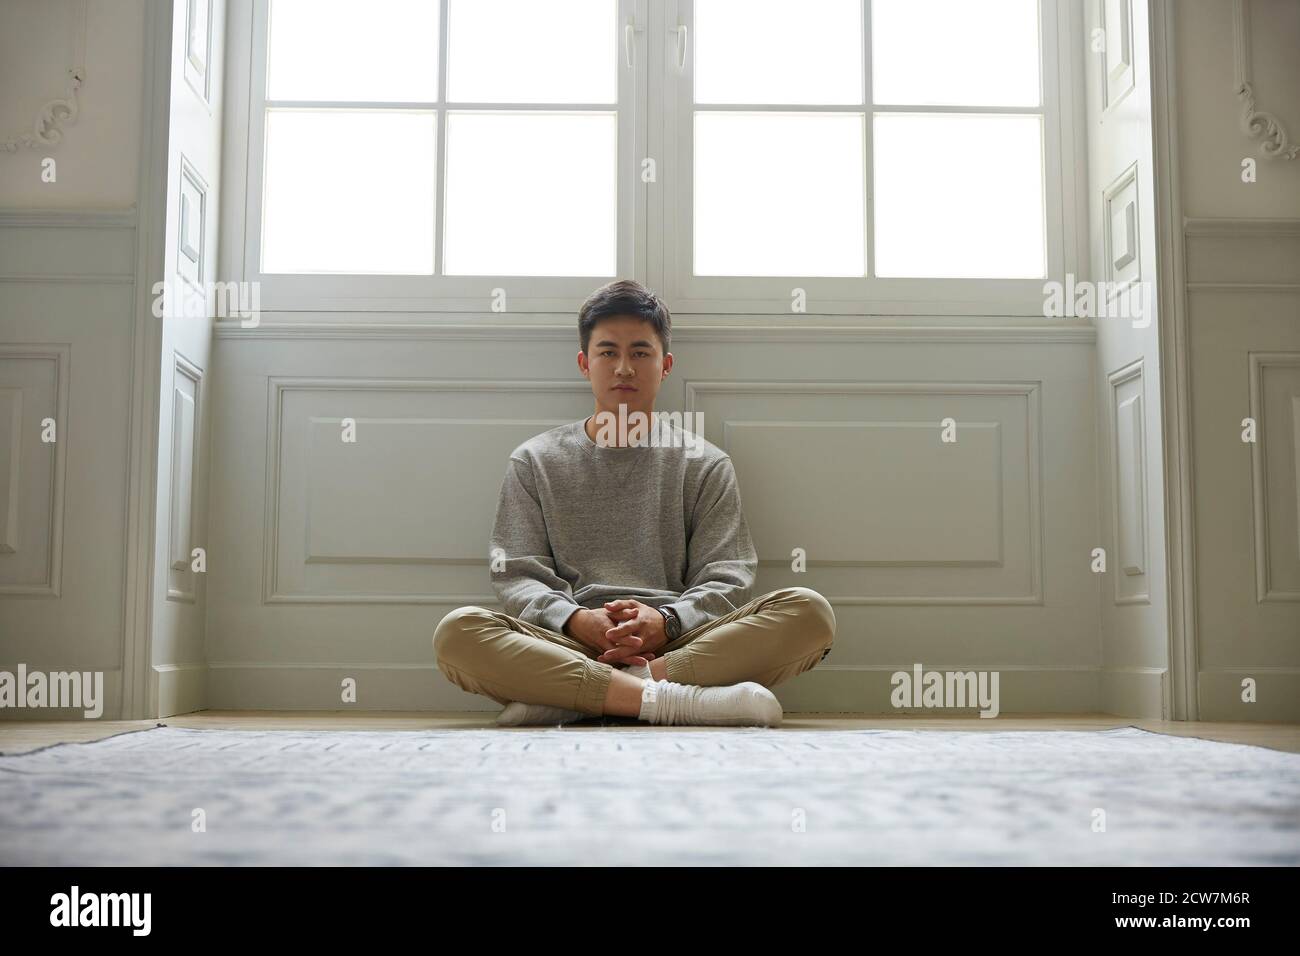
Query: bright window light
point(380, 50)
point(779, 194)
point(778, 52)
point(955, 52)
point(531, 193)
point(526, 51)
point(959, 195)
point(349, 191)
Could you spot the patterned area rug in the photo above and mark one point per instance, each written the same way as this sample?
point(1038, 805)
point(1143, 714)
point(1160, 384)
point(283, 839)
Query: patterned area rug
point(557, 796)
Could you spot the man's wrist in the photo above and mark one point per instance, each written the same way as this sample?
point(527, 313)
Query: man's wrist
point(672, 623)
point(572, 622)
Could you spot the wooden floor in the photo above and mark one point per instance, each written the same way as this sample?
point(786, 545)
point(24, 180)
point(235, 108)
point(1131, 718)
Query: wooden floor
point(18, 736)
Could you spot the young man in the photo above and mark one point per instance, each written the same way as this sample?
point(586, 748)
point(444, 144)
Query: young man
point(624, 562)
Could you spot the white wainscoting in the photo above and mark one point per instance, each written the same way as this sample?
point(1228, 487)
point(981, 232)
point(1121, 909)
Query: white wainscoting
point(1243, 279)
point(66, 304)
point(330, 560)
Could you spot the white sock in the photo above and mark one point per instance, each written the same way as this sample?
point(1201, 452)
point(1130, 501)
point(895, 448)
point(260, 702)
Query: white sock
point(747, 704)
point(518, 714)
point(638, 670)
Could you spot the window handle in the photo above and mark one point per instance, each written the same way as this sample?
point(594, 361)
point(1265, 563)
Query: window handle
point(680, 30)
point(629, 32)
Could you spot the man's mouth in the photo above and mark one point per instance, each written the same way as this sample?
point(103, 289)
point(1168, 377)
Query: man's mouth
point(624, 388)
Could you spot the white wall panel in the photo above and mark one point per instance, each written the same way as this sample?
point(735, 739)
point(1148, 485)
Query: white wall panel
point(33, 391)
point(65, 332)
point(330, 559)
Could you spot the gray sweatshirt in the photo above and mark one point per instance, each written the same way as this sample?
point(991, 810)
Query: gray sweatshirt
point(579, 524)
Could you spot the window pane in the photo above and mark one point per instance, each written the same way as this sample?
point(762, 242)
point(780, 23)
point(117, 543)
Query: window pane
point(955, 52)
point(343, 50)
point(779, 194)
point(531, 194)
point(526, 51)
point(773, 51)
point(959, 196)
point(349, 191)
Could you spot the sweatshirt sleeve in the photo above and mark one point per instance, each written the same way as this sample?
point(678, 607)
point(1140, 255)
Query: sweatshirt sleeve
point(522, 565)
point(721, 560)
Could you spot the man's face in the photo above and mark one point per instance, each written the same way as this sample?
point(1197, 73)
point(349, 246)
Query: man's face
point(624, 351)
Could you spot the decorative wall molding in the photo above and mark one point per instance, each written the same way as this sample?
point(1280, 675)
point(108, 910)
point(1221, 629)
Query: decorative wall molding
point(1225, 226)
point(64, 279)
point(1054, 334)
point(1236, 255)
point(280, 587)
point(187, 400)
point(192, 203)
point(1035, 507)
point(1266, 527)
point(11, 400)
point(1117, 73)
point(1285, 288)
point(51, 523)
point(50, 118)
point(1128, 479)
point(1257, 124)
point(274, 591)
point(1119, 219)
point(198, 48)
point(68, 218)
point(36, 244)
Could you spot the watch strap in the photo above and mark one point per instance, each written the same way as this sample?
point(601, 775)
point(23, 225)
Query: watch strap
point(672, 623)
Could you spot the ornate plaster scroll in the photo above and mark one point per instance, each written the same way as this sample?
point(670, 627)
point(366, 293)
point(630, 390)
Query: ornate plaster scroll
point(1255, 123)
point(50, 118)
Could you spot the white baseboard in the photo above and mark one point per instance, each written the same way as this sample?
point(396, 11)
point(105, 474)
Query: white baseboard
point(827, 688)
point(850, 688)
point(182, 688)
point(1136, 692)
point(1277, 694)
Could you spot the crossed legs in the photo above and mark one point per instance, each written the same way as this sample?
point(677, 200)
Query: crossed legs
point(769, 640)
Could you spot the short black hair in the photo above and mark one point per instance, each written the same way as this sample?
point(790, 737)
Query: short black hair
point(624, 297)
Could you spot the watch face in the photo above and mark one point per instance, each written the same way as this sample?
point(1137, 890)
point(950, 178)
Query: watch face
point(672, 625)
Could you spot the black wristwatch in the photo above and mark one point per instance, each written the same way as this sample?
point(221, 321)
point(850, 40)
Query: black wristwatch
point(672, 623)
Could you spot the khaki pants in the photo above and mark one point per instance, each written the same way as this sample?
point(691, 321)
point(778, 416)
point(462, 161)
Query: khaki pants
point(769, 640)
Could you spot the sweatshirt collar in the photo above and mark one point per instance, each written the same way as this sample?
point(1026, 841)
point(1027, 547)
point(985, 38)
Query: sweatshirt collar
point(604, 451)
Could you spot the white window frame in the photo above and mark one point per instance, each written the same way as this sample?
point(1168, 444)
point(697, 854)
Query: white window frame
point(671, 269)
point(655, 219)
point(423, 293)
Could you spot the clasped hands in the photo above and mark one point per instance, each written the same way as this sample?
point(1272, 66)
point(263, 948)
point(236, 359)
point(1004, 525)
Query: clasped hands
point(625, 632)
